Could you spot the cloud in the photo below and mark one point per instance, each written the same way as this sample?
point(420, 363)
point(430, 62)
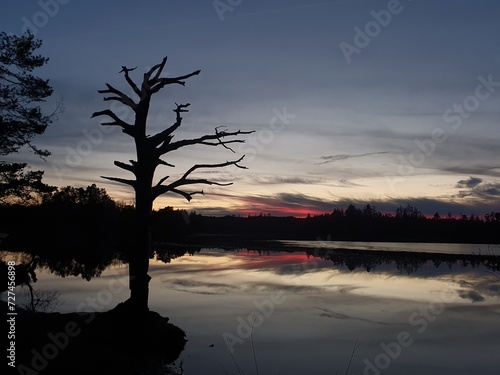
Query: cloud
point(333, 158)
point(472, 155)
point(470, 183)
point(297, 204)
point(284, 204)
point(199, 287)
point(344, 182)
point(472, 295)
point(288, 180)
point(289, 289)
point(335, 315)
point(475, 188)
point(488, 190)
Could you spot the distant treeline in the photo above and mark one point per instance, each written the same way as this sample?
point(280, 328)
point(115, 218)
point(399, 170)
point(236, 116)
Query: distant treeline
point(357, 224)
point(69, 219)
point(88, 220)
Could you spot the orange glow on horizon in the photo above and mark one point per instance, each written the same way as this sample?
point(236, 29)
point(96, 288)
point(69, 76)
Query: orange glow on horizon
point(282, 211)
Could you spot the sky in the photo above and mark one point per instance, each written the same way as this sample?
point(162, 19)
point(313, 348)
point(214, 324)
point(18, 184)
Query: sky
point(354, 101)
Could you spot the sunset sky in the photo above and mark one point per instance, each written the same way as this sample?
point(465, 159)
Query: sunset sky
point(354, 101)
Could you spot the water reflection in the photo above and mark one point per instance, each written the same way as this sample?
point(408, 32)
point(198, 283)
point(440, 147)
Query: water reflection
point(86, 265)
point(415, 278)
point(449, 306)
point(326, 300)
point(91, 264)
point(413, 247)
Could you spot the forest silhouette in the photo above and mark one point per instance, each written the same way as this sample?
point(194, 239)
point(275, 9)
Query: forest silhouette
point(87, 220)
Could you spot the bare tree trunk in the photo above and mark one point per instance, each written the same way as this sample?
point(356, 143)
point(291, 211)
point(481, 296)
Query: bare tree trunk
point(139, 258)
point(139, 262)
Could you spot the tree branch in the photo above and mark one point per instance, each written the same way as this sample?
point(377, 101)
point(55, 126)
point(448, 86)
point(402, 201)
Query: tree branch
point(188, 181)
point(162, 82)
point(121, 180)
point(164, 136)
point(160, 189)
point(156, 84)
point(186, 195)
point(225, 144)
point(163, 162)
point(127, 167)
point(158, 68)
point(127, 128)
point(150, 149)
point(162, 180)
point(125, 99)
point(163, 149)
point(132, 84)
point(220, 165)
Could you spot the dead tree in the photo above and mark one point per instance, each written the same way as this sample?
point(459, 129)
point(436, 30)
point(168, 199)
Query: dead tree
point(149, 151)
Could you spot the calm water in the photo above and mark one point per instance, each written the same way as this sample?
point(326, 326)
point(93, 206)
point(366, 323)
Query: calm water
point(307, 313)
point(444, 248)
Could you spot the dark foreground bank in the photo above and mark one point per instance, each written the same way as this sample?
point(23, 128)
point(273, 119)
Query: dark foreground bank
point(112, 342)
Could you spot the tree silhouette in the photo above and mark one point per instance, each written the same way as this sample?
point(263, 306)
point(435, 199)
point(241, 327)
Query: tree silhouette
point(149, 151)
point(90, 196)
point(21, 118)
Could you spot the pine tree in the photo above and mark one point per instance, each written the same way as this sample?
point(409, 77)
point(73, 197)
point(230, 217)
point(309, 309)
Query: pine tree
point(21, 117)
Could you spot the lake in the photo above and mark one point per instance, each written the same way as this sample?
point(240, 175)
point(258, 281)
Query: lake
point(443, 248)
point(279, 312)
